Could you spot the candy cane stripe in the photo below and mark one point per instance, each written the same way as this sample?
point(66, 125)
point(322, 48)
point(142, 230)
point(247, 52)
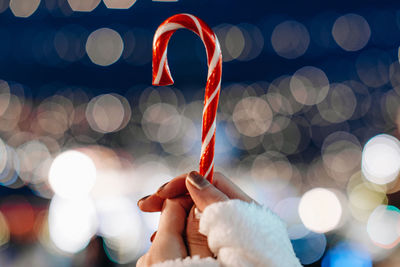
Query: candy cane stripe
point(162, 76)
point(209, 135)
point(212, 97)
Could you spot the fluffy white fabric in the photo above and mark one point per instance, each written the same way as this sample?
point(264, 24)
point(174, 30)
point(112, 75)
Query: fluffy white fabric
point(242, 235)
point(189, 262)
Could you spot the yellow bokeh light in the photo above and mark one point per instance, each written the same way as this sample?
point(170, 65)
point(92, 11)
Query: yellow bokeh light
point(4, 231)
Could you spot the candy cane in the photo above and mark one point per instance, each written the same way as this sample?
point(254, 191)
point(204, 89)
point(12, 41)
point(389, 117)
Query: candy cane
point(162, 76)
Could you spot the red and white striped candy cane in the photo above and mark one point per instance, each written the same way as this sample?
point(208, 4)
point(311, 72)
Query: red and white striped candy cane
point(162, 76)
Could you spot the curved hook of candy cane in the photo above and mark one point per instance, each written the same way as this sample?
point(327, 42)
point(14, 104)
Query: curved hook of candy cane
point(162, 76)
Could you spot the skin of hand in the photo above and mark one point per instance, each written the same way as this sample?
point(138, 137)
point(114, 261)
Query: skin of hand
point(203, 194)
point(168, 243)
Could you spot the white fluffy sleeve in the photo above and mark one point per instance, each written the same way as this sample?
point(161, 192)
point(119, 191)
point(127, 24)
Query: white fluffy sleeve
point(246, 234)
point(242, 235)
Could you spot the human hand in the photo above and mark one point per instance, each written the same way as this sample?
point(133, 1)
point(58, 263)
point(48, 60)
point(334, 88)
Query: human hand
point(203, 194)
point(168, 243)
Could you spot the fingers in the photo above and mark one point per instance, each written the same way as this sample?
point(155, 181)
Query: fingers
point(226, 186)
point(203, 192)
point(168, 242)
point(177, 187)
point(196, 243)
point(173, 215)
point(174, 188)
point(152, 203)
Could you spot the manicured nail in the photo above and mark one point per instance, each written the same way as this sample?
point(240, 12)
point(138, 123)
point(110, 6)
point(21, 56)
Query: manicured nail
point(143, 198)
point(161, 187)
point(197, 180)
point(153, 236)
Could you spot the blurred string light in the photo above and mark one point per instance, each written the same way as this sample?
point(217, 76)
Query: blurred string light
point(108, 113)
point(341, 155)
point(4, 96)
point(119, 4)
point(83, 6)
point(364, 197)
point(4, 231)
point(310, 248)
point(373, 67)
point(72, 174)
point(381, 159)
point(351, 32)
point(347, 254)
point(383, 226)
point(309, 85)
point(290, 39)
point(104, 46)
point(4, 5)
point(122, 228)
point(287, 210)
point(19, 215)
point(320, 210)
point(137, 46)
point(69, 42)
point(24, 8)
point(252, 116)
point(72, 223)
point(339, 105)
point(242, 42)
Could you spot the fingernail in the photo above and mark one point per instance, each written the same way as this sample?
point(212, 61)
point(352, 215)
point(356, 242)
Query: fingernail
point(143, 198)
point(197, 180)
point(153, 236)
point(197, 213)
point(161, 187)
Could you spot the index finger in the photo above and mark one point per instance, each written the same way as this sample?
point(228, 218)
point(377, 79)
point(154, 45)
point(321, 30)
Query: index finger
point(176, 187)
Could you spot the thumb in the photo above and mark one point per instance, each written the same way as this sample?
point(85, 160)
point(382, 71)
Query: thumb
point(202, 191)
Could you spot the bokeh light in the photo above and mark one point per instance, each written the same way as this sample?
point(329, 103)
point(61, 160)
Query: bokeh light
point(309, 85)
point(24, 8)
point(310, 248)
point(308, 125)
point(119, 4)
point(4, 231)
point(290, 39)
point(383, 226)
point(351, 32)
point(83, 6)
point(108, 113)
point(347, 254)
point(72, 174)
point(320, 210)
point(373, 67)
point(72, 223)
point(339, 105)
point(19, 216)
point(252, 116)
point(381, 159)
point(104, 46)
